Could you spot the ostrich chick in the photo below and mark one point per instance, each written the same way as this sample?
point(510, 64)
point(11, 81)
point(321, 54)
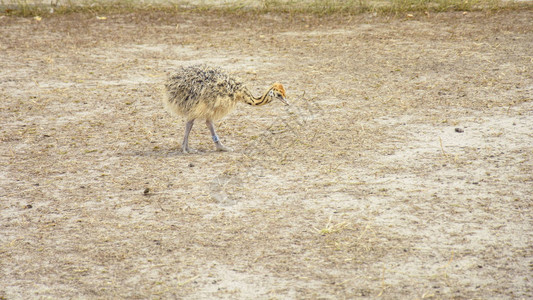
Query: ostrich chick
point(203, 92)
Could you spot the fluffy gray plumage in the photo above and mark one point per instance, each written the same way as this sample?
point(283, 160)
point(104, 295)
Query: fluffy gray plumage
point(202, 92)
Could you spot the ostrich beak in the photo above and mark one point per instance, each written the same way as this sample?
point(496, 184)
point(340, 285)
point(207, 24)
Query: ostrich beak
point(284, 100)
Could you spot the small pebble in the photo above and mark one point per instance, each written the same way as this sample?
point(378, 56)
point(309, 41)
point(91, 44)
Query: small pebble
point(146, 191)
point(459, 130)
point(191, 165)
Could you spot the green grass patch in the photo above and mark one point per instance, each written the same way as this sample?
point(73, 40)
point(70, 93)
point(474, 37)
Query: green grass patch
point(317, 7)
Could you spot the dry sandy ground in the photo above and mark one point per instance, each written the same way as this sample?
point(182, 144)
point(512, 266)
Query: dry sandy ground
point(402, 169)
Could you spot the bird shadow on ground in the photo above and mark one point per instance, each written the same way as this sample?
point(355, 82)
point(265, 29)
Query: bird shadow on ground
point(173, 152)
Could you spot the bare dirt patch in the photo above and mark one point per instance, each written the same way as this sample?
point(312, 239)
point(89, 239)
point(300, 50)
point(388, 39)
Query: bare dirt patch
point(362, 188)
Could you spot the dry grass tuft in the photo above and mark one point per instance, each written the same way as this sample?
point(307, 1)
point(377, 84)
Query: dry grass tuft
point(331, 228)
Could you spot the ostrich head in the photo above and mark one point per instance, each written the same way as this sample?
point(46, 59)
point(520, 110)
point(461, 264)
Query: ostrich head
point(278, 92)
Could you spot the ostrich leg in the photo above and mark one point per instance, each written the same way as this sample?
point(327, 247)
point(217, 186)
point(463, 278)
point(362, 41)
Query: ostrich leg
point(185, 146)
point(214, 135)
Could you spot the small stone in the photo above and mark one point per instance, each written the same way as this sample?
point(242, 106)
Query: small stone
point(460, 130)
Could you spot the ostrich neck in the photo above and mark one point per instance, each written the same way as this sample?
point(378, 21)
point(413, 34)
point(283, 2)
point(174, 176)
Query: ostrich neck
point(249, 99)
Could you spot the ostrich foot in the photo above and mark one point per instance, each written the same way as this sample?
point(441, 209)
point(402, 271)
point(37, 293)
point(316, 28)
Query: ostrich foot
point(222, 148)
point(188, 150)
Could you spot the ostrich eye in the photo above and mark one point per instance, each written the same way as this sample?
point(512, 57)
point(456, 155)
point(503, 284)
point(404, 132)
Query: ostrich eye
point(275, 94)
